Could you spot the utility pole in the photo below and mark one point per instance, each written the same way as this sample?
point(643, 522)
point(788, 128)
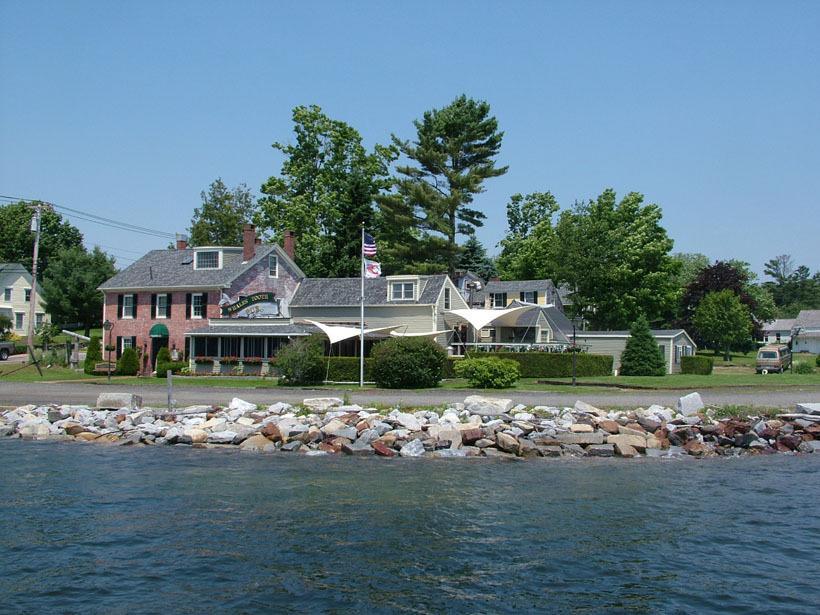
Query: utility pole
point(35, 226)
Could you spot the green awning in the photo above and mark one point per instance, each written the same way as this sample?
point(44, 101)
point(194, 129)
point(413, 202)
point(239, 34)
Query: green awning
point(158, 331)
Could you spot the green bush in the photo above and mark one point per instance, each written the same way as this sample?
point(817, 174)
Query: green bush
point(817, 360)
point(164, 355)
point(696, 365)
point(803, 368)
point(408, 362)
point(175, 366)
point(553, 364)
point(302, 361)
point(93, 355)
point(346, 369)
point(489, 373)
point(642, 355)
point(129, 363)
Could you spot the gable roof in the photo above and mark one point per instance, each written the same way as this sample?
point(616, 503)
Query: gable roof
point(319, 292)
point(561, 325)
point(516, 286)
point(808, 319)
point(174, 269)
point(781, 324)
point(15, 269)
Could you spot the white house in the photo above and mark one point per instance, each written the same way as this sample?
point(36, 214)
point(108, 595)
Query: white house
point(777, 331)
point(806, 332)
point(15, 297)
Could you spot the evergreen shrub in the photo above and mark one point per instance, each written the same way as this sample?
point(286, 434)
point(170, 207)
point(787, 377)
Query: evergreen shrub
point(128, 363)
point(164, 363)
point(93, 354)
point(803, 367)
point(408, 362)
point(553, 364)
point(302, 361)
point(642, 355)
point(696, 365)
point(817, 360)
point(489, 373)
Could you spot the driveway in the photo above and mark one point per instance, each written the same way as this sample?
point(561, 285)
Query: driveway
point(19, 393)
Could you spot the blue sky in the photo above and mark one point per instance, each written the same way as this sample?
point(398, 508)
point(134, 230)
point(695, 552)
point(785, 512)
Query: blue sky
point(711, 109)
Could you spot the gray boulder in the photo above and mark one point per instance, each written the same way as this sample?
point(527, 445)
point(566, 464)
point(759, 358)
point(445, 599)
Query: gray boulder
point(115, 401)
point(487, 406)
point(412, 449)
point(321, 405)
point(808, 408)
point(690, 404)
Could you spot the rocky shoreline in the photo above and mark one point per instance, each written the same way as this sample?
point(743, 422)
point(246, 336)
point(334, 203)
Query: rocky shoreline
point(479, 427)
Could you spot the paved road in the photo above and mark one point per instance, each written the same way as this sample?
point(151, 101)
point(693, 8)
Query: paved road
point(18, 393)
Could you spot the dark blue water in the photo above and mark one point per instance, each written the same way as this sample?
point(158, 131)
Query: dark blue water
point(90, 528)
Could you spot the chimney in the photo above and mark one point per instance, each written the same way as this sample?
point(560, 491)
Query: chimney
point(182, 242)
point(248, 242)
point(289, 244)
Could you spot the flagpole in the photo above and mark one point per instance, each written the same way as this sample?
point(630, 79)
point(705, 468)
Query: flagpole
point(361, 318)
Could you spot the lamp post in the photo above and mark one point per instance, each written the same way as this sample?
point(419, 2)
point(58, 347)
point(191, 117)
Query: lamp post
point(575, 322)
point(108, 325)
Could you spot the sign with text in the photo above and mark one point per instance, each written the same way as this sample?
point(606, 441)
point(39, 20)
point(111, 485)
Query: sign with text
point(257, 305)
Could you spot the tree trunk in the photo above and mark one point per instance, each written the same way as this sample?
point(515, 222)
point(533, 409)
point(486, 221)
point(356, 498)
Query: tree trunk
point(727, 356)
point(87, 330)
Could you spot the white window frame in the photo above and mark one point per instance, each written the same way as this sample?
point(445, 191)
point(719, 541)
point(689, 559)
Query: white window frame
point(198, 253)
point(21, 318)
point(534, 294)
point(494, 303)
point(124, 345)
point(403, 293)
point(194, 306)
point(39, 319)
point(159, 315)
point(273, 258)
point(128, 313)
point(8, 294)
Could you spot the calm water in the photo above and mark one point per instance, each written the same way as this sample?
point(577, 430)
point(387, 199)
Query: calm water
point(118, 530)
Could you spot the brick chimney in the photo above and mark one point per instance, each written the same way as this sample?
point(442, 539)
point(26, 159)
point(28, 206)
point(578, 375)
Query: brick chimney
point(182, 242)
point(289, 244)
point(248, 242)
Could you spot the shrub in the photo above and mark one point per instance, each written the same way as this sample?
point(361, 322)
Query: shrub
point(552, 364)
point(302, 361)
point(164, 355)
point(817, 360)
point(408, 362)
point(93, 355)
point(489, 373)
point(803, 368)
point(129, 363)
point(164, 363)
point(642, 355)
point(696, 365)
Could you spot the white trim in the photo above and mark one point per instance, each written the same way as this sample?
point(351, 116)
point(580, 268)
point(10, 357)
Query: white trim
point(199, 251)
point(276, 256)
point(133, 311)
point(193, 305)
point(167, 306)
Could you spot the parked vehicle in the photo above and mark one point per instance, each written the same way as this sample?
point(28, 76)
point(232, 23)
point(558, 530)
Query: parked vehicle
point(773, 358)
point(6, 349)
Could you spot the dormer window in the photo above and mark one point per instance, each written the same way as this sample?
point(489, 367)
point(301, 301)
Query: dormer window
point(401, 290)
point(208, 259)
point(528, 296)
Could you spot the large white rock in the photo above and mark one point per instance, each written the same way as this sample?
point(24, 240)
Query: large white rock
point(406, 420)
point(241, 405)
point(279, 407)
point(582, 406)
point(690, 404)
point(321, 404)
point(412, 449)
point(808, 408)
point(115, 401)
point(487, 406)
point(222, 437)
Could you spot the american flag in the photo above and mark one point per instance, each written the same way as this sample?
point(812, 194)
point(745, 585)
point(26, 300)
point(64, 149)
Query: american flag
point(369, 245)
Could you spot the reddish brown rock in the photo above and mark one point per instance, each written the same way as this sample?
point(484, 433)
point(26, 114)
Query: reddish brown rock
point(272, 433)
point(635, 426)
point(120, 418)
point(382, 449)
point(73, 430)
point(609, 426)
point(329, 448)
point(790, 442)
point(469, 436)
point(697, 449)
point(361, 426)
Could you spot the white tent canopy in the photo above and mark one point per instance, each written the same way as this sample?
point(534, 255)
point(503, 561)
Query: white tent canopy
point(338, 333)
point(428, 334)
point(481, 318)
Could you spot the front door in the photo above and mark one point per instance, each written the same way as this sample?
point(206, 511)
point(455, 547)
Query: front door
point(156, 344)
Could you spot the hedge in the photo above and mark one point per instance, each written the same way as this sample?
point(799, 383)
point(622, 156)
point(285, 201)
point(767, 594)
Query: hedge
point(696, 365)
point(346, 369)
point(174, 366)
point(554, 364)
point(489, 372)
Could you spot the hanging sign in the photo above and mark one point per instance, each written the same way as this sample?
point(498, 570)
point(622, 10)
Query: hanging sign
point(258, 305)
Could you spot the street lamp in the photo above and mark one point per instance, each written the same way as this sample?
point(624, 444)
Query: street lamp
point(108, 325)
point(576, 322)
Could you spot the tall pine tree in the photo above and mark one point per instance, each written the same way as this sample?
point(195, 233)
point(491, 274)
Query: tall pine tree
point(453, 154)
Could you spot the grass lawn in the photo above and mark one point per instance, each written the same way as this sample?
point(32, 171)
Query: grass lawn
point(12, 372)
point(690, 381)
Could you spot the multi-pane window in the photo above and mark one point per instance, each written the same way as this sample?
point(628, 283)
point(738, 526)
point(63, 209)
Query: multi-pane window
point(197, 310)
point(162, 306)
point(128, 306)
point(273, 266)
point(207, 259)
point(7, 294)
point(498, 300)
point(126, 343)
point(402, 290)
point(446, 298)
point(28, 294)
point(528, 296)
point(18, 320)
point(38, 319)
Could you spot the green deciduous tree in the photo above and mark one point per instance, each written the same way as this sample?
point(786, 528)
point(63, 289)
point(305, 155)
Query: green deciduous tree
point(69, 287)
point(324, 193)
point(473, 257)
point(690, 265)
point(793, 288)
point(451, 157)
point(93, 354)
point(642, 355)
point(614, 257)
point(219, 220)
point(528, 250)
point(722, 320)
point(17, 240)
